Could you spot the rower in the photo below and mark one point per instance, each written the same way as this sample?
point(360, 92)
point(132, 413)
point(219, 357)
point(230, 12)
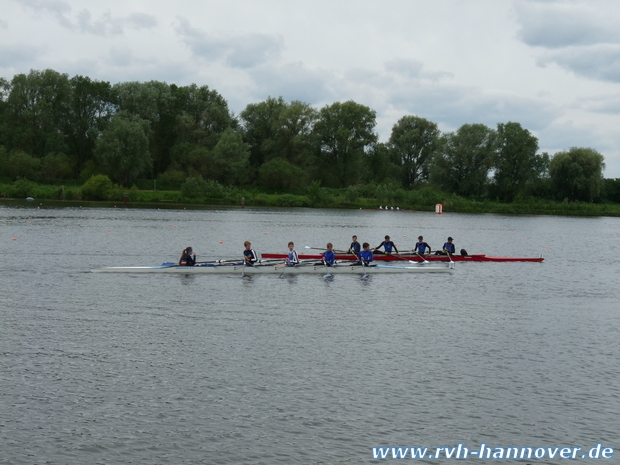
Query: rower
point(421, 246)
point(354, 248)
point(291, 259)
point(188, 258)
point(387, 245)
point(449, 247)
point(329, 257)
point(365, 256)
point(249, 256)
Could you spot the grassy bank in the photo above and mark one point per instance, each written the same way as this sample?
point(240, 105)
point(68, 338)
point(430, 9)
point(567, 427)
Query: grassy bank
point(422, 200)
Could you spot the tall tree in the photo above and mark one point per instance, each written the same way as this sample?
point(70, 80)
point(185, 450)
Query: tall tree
point(36, 108)
point(89, 110)
point(260, 123)
point(230, 158)
point(464, 159)
point(344, 132)
point(414, 140)
point(577, 174)
point(516, 162)
point(123, 148)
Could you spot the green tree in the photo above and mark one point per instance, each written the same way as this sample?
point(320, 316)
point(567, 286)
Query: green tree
point(516, 162)
point(280, 174)
point(230, 158)
point(122, 149)
point(259, 124)
point(36, 108)
point(577, 174)
point(344, 132)
point(464, 159)
point(21, 165)
point(204, 116)
point(90, 107)
point(98, 187)
point(56, 166)
point(383, 165)
point(414, 141)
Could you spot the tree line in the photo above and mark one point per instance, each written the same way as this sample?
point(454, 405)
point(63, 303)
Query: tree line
point(53, 128)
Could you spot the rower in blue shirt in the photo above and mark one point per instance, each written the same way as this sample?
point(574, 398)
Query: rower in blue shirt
point(355, 246)
point(365, 256)
point(421, 246)
point(387, 245)
point(249, 256)
point(329, 257)
point(449, 247)
point(291, 259)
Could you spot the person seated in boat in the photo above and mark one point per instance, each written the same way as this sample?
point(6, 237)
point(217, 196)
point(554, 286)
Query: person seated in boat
point(448, 248)
point(249, 256)
point(354, 248)
point(329, 257)
point(421, 246)
point(387, 245)
point(365, 256)
point(291, 259)
point(188, 258)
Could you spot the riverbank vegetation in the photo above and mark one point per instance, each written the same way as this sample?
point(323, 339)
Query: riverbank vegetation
point(79, 139)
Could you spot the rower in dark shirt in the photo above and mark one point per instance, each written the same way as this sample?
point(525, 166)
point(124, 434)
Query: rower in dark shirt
point(187, 257)
point(387, 245)
point(355, 246)
point(249, 256)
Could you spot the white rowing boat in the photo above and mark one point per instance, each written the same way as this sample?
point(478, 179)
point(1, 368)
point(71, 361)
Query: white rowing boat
point(272, 269)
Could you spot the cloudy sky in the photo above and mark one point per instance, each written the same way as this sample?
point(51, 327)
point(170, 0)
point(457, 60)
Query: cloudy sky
point(551, 65)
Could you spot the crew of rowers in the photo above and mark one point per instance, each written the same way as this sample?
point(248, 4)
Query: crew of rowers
point(363, 252)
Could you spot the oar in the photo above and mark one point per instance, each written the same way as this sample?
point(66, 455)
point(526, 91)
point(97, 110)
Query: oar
point(405, 259)
point(283, 269)
point(328, 274)
point(365, 275)
point(422, 258)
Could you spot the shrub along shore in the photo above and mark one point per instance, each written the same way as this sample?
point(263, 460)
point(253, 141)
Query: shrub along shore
point(99, 190)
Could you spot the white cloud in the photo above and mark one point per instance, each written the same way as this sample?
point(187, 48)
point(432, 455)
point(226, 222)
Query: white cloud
point(552, 66)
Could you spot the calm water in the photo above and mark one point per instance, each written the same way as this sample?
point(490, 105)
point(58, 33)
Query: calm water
point(175, 369)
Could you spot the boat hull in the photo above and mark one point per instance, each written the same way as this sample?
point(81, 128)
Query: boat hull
point(405, 257)
point(272, 269)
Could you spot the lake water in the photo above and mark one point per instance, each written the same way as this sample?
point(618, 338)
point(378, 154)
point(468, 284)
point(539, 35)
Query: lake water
point(179, 369)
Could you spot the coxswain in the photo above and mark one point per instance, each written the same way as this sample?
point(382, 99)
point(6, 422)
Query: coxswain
point(365, 256)
point(387, 245)
point(249, 256)
point(291, 259)
point(329, 257)
point(421, 246)
point(355, 246)
point(188, 258)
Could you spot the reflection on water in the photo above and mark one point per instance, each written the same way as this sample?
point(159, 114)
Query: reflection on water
point(106, 368)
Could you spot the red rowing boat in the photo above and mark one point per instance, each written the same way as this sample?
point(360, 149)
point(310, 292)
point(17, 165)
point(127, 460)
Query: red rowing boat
point(414, 257)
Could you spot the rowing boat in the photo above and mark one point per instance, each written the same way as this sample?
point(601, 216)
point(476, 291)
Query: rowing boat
point(273, 269)
point(415, 257)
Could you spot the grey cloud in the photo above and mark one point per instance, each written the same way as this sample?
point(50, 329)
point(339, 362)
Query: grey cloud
point(294, 81)
point(239, 51)
point(561, 24)
point(3, 23)
point(59, 8)
point(601, 62)
point(105, 25)
point(608, 104)
point(19, 53)
point(454, 106)
point(405, 68)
